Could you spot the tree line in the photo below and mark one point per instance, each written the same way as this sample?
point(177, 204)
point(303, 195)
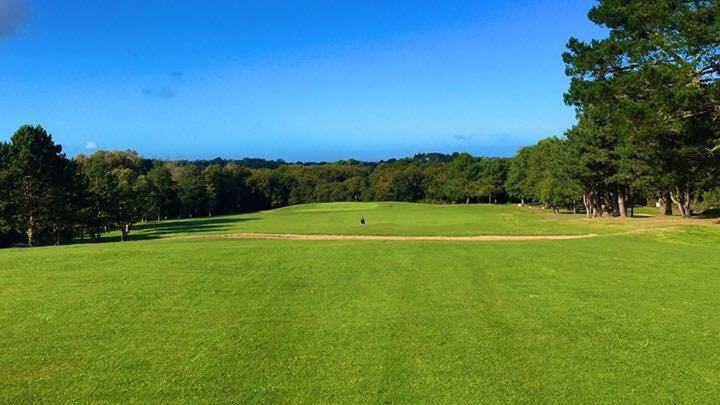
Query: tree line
point(47, 198)
point(648, 104)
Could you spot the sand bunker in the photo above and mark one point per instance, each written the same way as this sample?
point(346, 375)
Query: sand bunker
point(480, 238)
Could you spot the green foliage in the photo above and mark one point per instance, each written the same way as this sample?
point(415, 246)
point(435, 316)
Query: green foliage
point(214, 180)
point(266, 185)
point(7, 231)
point(464, 178)
point(556, 185)
point(650, 89)
point(399, 181)
point(192, 191)
point(163, 193)
point(117, 191)
point(237, 196)
point(493, 173)
point(340, 181)
point(40, 188)
point(547, 173)
point(516, 183)
point(712, 198)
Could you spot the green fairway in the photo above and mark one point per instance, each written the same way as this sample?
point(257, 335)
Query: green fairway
point(388, 219)
point(628, 316)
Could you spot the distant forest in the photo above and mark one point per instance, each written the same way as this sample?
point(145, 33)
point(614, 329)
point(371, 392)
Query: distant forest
point(647, 99)
point(47, 198)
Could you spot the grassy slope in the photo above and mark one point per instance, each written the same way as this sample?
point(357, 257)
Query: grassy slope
point(387, 219)
point(625, 318)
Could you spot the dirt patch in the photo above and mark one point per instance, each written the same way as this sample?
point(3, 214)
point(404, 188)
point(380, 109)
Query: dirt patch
point(480, 238)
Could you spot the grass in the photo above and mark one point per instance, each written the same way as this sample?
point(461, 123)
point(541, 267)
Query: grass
point(623, 317)
point(652, 211)
point(387, 219)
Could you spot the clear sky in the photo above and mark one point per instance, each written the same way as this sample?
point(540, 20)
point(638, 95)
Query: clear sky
point(297, 80)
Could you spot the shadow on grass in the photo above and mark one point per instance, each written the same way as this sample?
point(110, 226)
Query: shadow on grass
point(188, 225)
point(710, 214)
point(160, 230)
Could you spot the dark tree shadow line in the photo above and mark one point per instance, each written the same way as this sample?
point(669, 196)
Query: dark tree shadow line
point(164, 229)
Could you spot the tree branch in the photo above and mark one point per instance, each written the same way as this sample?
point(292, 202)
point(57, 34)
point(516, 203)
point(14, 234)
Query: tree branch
point(715, 68)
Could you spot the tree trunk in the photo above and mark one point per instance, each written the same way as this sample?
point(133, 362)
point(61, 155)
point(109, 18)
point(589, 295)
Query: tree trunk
point(588, 205)
point(124, 231)
point(490, 199)
point(57, 235)
point(614, 201)
point(621, 204)
point(666, 203)
point(597, 206)
point(522, 201)
point(677, 200)
point(682, 199)
point(30, 230)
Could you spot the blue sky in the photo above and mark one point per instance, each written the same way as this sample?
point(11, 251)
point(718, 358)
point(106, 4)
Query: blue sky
point(297, 80)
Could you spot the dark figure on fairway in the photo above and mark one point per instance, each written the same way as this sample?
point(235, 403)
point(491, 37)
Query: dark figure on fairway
point(362, 221)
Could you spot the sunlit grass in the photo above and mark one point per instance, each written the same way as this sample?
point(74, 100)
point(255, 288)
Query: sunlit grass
point(389, 219)
point(628, 317)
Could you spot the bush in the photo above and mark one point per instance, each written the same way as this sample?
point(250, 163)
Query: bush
point(712, 198)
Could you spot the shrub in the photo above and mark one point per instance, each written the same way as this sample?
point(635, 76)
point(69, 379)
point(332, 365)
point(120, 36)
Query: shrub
point(712, 198)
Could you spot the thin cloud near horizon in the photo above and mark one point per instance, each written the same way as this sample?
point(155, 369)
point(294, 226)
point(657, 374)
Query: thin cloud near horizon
point(163, 92)
point(13, 14)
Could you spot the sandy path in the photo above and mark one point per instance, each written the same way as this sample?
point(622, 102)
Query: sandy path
point(482, 238)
